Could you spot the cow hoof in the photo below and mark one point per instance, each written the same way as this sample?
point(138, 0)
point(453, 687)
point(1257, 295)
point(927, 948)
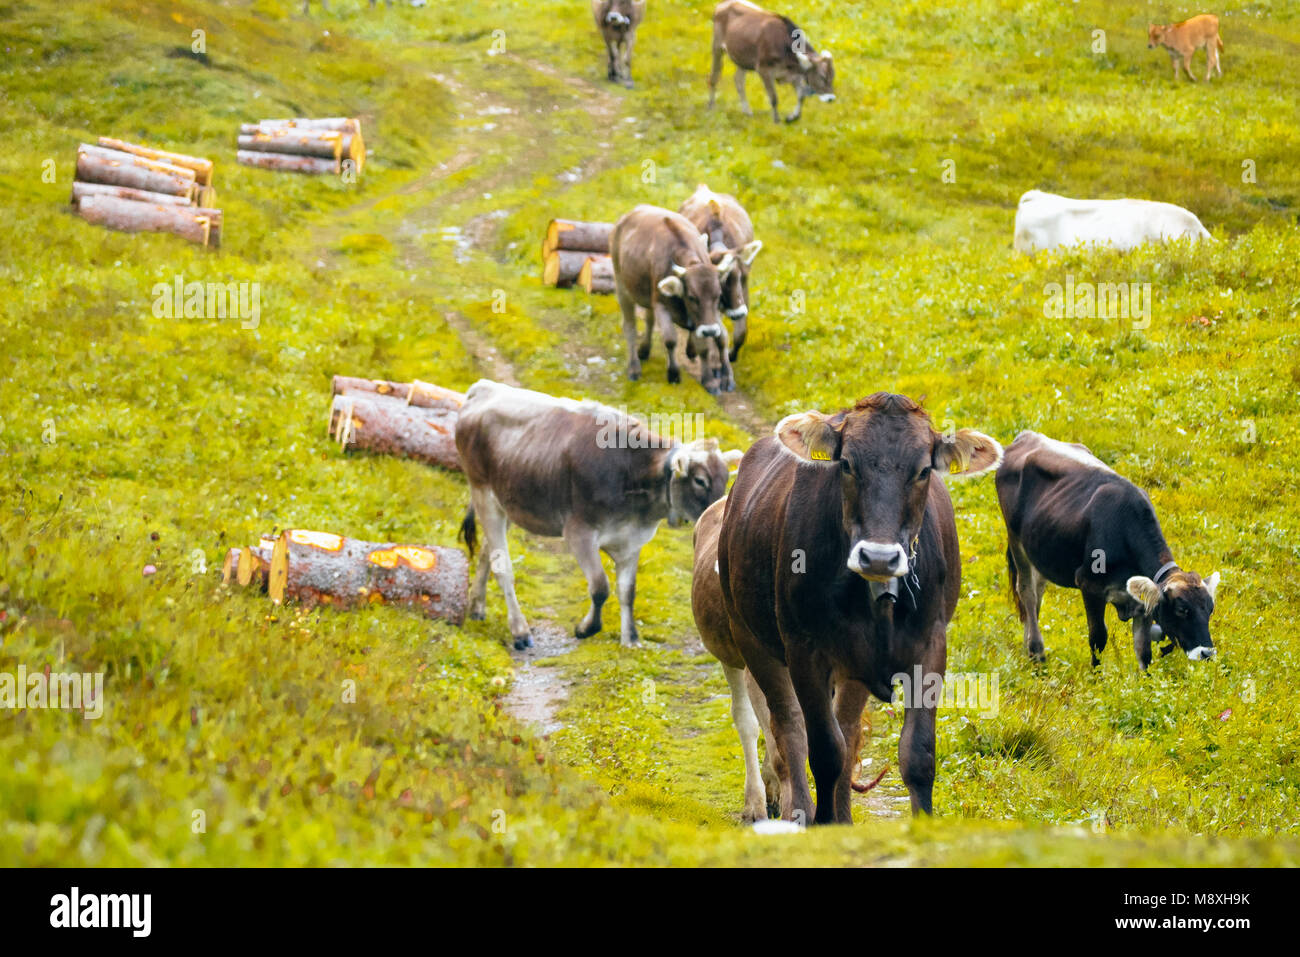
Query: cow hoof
point(477, 614)
point(580, 632)
point(674, 376)
point(633, 374)
point(632, 642)
point(627, 84)
point(524, 641)
point(752, 814)
point(729, 385)
point(643, 352)
point(731, 356)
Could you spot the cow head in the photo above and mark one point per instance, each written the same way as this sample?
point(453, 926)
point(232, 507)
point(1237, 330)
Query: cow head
point(1180, 606)
point(693, 292)
point(818, 71)
point(735, 285)
point(698, 478)
point(1155, 35)
point(887, 454)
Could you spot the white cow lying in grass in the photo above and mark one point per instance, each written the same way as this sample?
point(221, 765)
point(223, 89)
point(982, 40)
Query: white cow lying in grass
point(1045, 221)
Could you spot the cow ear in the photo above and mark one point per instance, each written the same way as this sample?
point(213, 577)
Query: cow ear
point(672, 286)
point(705, 238)
point(726, 264)
point(1145, 591)
point(967, 453)
point(732, 457)
point(809, 435)
point(805, 64)
point(749, 251)
point(1212, 585)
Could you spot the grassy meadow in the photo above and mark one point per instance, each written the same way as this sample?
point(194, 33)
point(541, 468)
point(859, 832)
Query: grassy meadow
point(128, 440)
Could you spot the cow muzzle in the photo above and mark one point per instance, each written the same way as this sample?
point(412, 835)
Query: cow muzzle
point(878, 561)
point(711, 331)
point(827, 97)
point(740, 312)
point(616, 19)
point(1201, 652)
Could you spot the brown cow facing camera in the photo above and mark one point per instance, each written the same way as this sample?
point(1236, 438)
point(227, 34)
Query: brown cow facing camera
point(774, 47)
point(840, 570)
point(617, 21)
point(726, 226)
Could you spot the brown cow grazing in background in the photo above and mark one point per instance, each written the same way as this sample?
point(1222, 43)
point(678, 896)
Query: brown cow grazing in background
point(726, 224)
point(1071, 520)
point(663, 270)
point(617, 21)
point(839, 570)
point(579, 470)
point(776, 48)
point(1182, 40)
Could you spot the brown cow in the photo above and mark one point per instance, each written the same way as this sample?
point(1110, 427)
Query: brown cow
point(617, 21)
point(840, 570)
point(578, 470)
point(776, 48)
point(1182, 40)
point(662, 268)
point(726, 224)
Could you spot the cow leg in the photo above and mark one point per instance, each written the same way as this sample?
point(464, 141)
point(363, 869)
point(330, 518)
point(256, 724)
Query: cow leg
point(740, 329)
point(581, 540)
point(769, 84)
point(771, 780)
point(812, 684)
point(703, 347)
point(611, 56)
point(850, 700)
point(493, 516)
point(787, 741)
point(1029, 586)
point(716, 73)
point(634, 355)
point(627, 60)
point(1095, 607)
point(1142, 640)
point(668, 330)
point(627, 555)
point(726, 378)
point(1187, 68)
point(1209, 60)
point(916, 758)
point(798, 106)
point(740, 91)
point(746, 722)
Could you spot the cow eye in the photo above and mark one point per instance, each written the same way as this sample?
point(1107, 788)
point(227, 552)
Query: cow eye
point(845, 467)
point(924, 474)
point(700, 481)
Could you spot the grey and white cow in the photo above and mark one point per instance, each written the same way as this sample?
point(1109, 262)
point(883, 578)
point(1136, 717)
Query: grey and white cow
point(582, 471)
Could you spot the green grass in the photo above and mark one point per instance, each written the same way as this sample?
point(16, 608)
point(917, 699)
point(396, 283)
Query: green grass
point(128, 440)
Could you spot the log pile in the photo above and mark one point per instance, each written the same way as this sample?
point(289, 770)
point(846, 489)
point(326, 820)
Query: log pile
point(136, 188)
point(415, 420)
point(302, 145)
point(577, 253)
point(318, 568)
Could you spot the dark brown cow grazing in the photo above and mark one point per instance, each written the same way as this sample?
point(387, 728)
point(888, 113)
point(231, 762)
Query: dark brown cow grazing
point(776, 48)
point(663, 270)
point(617, 21)
point(727, 226)
point(1074, 522)
point(840, 571)
point(581, 470)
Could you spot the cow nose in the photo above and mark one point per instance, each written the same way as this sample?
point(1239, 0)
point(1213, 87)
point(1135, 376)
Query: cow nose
point(1201, 652)
point(711, 331)
point(878, 560)
point(828, 97)
point(740, 312)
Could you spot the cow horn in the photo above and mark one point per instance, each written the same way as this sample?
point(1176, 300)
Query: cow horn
point(726, 264)
point(805, 64)
point(679, 270)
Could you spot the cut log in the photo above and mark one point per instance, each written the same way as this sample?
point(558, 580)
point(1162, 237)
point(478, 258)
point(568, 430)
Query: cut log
point(296, 142)
point(230, 567)
point(202, 167)
point(131, 216)
point(389, 426)
point(287, 162)
point(205, 196)
point(115, 168)
point(562, 267)
point(214, 223)
point(577, 236)
point(426, 395)
point(318, 567)
point(80, 189)
point(339, 124)
point(597, 275)
point(255, 566)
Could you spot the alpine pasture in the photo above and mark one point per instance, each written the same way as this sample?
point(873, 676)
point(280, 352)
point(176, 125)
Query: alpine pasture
point(129, 440)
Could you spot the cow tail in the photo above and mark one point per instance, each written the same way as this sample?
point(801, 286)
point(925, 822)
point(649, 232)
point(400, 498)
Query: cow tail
point(469, 531)
point(1219, 42)
point(1015, 586)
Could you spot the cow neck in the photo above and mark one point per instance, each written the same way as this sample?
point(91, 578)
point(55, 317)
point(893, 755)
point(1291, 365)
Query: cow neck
point(667, 474)
point(1165, 569)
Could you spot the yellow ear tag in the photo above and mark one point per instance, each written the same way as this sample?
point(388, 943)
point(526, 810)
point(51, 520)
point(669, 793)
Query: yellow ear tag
point(819, 456)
